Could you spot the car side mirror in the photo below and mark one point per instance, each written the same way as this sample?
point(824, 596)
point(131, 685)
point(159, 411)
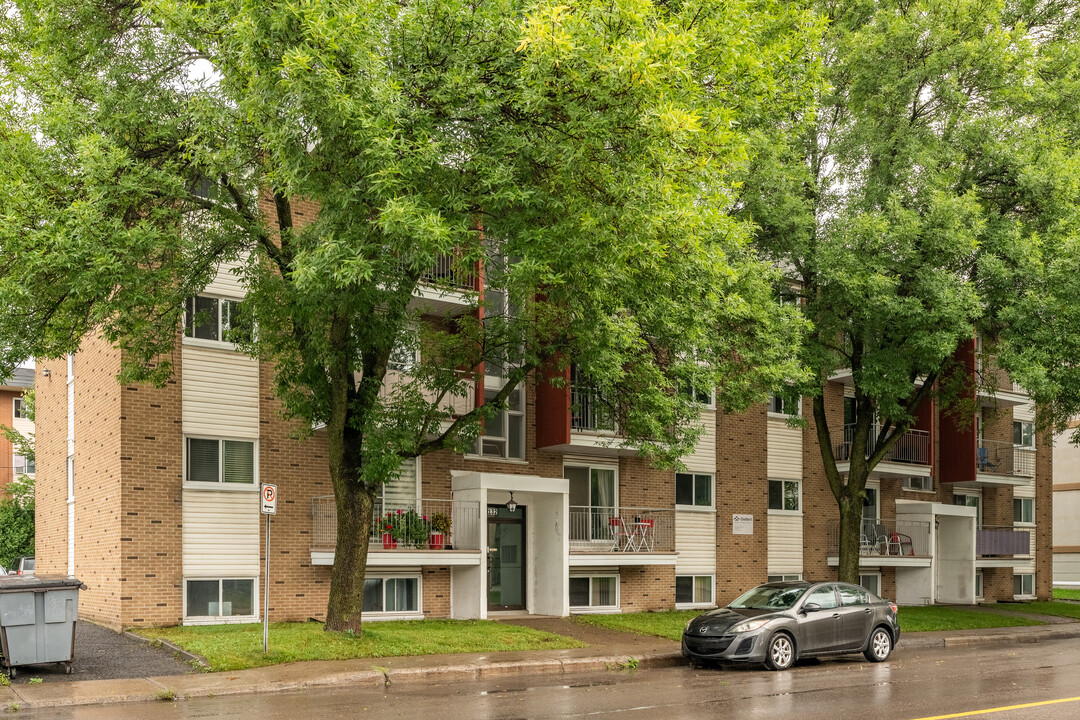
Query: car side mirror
point(810, 608)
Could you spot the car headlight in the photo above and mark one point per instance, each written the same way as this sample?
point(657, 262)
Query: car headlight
point(687, 626)
point(749, 626)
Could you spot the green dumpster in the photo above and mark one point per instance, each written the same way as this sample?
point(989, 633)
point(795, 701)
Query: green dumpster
point(37, 619)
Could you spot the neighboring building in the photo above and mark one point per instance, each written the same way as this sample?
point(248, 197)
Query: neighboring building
point(1066, 509)
point(150, 496)
point(13, 415)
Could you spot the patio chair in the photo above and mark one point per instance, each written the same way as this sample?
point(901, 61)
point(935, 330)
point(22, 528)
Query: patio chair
point(983, 460)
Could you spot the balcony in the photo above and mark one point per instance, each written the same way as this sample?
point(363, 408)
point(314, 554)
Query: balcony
point(588, 411)
point(402, 529)
point(621, 536)
point(1002, 541)
point(909, 456)
point(447, 288)
point(451, 272)
point(885, 542)
point(581, 419)
point(995, 387)
point(1005, 460)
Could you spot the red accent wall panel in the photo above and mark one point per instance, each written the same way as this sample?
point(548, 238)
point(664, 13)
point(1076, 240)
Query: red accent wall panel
point(958, 443)
point(553, 408)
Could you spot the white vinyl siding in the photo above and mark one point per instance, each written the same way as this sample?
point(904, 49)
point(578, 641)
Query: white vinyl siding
point(220, 393)
point(1067, 568)
point(226, 283)
point(220, 534)
point(703, 458)
point(785, 449)
point(1024, 412)
point(24, 426)
point(785, 544)
point(695, 542)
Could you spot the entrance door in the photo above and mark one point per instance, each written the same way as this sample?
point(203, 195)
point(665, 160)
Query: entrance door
point(506, 558)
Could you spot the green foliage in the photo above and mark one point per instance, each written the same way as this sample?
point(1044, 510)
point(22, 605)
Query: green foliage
point(407, 526)
point(1066, 593)
point(17, 521)
point(440, 523)
point(668, 624)
point(929, 195)
point(1056, 609)
point(588, 155)
point(236, 647)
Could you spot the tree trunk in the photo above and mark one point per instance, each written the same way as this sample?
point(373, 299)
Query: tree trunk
point(850, 530)
point(354, 517)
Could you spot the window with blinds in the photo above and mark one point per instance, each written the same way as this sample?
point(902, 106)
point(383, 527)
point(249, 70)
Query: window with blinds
point(220, 461)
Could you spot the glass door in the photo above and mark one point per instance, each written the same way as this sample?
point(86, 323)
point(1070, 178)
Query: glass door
point(506, 558)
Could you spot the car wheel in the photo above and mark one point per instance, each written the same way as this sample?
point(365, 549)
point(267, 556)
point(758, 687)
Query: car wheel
point(880, 646)
point(781, 653)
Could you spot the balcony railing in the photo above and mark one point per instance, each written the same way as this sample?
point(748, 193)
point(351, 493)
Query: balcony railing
point(1002, 541)
point(406, 526)
point(912, 447)
point(452, 271)
point(1004, 458)
point(588, 411)
point(609, 529)
point(879, 537)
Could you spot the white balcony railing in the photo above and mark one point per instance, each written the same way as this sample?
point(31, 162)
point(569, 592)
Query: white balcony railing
point(881, 537)
point(1003, 458)
point(609, 529)
point(405, 526)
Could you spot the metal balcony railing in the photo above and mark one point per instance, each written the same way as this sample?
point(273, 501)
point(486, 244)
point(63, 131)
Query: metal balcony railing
point(1003, 458)
point(588, 411)
point(913, 447)
point(1000, 541)
point(609, 529)
point(452, 271)
point(880, 537)
point(404, 526)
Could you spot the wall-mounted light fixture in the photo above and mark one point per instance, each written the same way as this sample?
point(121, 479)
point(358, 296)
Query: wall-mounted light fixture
point(46, 372)
point(511, 505)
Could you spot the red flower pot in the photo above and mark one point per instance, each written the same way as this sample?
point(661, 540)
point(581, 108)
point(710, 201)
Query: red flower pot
point(435, 541)
point(388, 542)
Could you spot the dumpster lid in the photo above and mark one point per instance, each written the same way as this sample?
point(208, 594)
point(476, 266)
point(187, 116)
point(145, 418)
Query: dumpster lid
point(24, 583)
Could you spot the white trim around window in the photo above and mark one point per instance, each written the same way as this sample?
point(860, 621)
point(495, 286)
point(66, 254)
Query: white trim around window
point(785, 488)
point(874, 579)
point(597, 586)
point(697, 481)
point(702, 592)
point(221, 604)
point(219, 484)
point(393, 589)
point(1023, 512)
point(1023, 586)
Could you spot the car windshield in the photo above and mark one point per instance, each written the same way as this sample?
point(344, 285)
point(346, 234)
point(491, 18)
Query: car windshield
point(769, 598)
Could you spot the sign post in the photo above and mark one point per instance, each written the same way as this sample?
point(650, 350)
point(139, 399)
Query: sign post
point(268, 507)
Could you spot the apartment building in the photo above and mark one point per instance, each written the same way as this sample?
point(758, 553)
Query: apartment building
point(1066, 509)
point(13, 414)
point(150, 496)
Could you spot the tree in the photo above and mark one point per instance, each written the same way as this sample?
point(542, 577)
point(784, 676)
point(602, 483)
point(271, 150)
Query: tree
point(914, 207)
point(582, 156)
point(17, 522)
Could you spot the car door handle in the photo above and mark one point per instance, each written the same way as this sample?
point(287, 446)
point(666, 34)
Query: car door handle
point(867, 611)
point(836, 615)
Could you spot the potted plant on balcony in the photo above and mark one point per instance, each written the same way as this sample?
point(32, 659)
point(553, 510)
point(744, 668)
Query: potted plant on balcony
point(389, 538)
point(440, 528)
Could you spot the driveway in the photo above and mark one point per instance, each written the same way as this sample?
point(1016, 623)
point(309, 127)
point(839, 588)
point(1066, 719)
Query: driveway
point(101, 654)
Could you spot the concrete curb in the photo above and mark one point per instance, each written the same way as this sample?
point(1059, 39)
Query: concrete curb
point(362, 673)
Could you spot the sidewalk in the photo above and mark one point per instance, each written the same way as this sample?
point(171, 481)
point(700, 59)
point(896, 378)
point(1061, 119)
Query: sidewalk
point(608, 650)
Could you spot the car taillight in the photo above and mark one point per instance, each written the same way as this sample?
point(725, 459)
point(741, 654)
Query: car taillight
point(893, 606)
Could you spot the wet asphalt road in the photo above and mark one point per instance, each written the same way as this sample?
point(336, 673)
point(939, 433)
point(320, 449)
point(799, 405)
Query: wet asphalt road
point(913, 684)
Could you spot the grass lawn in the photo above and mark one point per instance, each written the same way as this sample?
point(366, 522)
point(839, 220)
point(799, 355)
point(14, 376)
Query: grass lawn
point(925, 618)
point(1067, 593)
point(235, 647)
point(667, 624)
point(1060, 609)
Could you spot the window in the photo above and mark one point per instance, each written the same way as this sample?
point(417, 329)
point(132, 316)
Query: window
point(825, 597)
point(391, 594)
point(19, 410)
point(1024, 585)
point(853, 596)
point(22, 465)
point(785, 403)
point(220, 461)
point(978, 584)
point(693, 589)
point(218, 319)
point(784, 495)
point(919, 483)
point(594, 592)
point(871, 581)
point(693, 489)
point(970, 501)
point(696, 394)
point(504, 432)
point(405, 353)
point(592, 501)
point(1024, 511)
point(220, 598)
point(782, 578)
point(1023, 434)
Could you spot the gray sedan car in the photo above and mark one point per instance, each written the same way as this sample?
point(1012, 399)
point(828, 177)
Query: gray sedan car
point(778, 623)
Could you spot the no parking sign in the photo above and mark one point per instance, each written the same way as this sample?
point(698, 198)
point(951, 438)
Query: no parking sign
point(268, 505)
